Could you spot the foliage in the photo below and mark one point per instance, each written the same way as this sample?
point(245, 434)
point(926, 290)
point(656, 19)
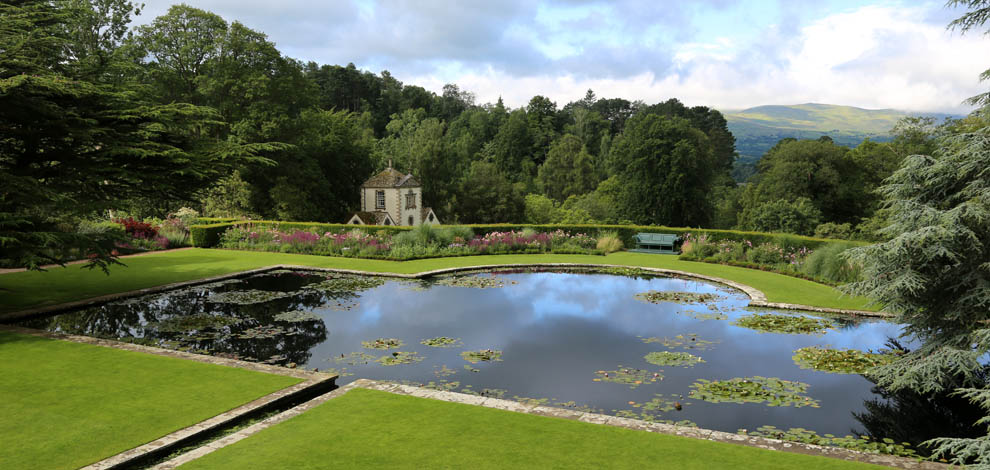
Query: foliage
point(197, 322)
point(780, 215)
point(666, 168)
point(246, 297)
point(442, 342)
point(667, 358)
point(423, 241)
point(628, 376)
point(834, 230)
point(830, 264)
point(482, 355)
point(818, 170)
point(609, 242)
point(933, 273)
point(840, 361)
point(297, 316)
point(773, 391)
point(788, 324)
point(691, 341)
point(656, 297)
point(382, 343)
point(398, 358)
point(861, 443)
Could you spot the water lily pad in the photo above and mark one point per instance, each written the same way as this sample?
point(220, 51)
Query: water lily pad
point(477, 282)
point(399, 357)
point(382, 343)
point(776, 323)
point(442, 342)
point(443, 371)
point(628, 376)
point(662, 404)
point(709, 315)
point(677, 359)
point(354, 358)
point(342, 372)
point(297, 316)
point(769, 390)
point(689, 341)
point(861, 443)
point(264, 332)
point(656, 297)
point(345, 284)
point(840, 361)
point(197, 322)
point(482, 355)
point(247, 297)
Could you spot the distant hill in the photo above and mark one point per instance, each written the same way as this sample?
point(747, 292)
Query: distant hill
point(758, 129)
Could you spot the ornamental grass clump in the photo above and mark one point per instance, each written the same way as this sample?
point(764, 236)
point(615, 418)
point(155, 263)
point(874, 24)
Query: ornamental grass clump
point(609, 242)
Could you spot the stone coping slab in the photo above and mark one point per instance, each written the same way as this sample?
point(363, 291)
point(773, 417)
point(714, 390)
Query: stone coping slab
point(757, 298)
point(541, 410)
point(313, 382)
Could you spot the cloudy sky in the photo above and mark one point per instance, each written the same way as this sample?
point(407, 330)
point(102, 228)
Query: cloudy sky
point(728, 54)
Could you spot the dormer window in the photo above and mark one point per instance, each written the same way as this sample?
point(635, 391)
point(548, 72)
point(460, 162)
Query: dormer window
point(411, 200)
point(379, 199)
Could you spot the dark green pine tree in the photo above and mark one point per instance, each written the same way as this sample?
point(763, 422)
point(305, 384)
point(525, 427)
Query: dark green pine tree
point(934, 275)
point(72, 147)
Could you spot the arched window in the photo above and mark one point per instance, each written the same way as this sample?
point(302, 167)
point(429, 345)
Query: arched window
point(430, 217)
point(388, 222)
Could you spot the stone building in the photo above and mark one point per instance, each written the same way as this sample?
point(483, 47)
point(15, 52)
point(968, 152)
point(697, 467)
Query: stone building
point(391, 198)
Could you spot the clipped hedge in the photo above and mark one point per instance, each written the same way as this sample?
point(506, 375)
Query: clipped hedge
point(206, 236)
point(215, 220)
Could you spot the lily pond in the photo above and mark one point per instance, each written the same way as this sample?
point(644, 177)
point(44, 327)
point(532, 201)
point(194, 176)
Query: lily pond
point(619, 342)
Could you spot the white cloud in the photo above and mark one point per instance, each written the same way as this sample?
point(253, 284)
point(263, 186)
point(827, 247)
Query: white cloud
point(872, 57)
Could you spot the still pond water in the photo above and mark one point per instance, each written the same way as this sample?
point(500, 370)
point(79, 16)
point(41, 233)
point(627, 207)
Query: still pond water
point(559, 334)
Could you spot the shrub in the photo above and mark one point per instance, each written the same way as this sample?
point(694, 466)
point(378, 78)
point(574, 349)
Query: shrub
point(138, 229)
point(834, 230)
point(187, 216)
point(800, 217)
point(88, 227)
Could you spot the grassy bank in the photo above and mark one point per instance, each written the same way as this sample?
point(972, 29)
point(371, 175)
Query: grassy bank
point(24, 290)
point(372, 429)
point(66, 405)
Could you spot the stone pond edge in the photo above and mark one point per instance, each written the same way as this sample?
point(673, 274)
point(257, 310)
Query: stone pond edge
point(757, 298)
point(541, 410)
point(313, 382)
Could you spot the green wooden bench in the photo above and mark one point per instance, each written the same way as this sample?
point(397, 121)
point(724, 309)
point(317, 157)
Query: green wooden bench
point(656, 242)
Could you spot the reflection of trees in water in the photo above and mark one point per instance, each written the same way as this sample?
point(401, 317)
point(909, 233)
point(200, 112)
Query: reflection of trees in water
point(908, 416)
point(255, 335)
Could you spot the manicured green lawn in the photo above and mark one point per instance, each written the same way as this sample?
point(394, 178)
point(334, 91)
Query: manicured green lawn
point(372, 429)
point(65, 405)
point(24, 290)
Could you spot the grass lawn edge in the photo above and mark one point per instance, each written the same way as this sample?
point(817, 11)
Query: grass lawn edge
point(710, 446)
point(73, 285)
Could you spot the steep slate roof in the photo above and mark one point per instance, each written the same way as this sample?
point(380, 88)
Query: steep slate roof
point(424, 212)
point(390, 178)
point(371, 218)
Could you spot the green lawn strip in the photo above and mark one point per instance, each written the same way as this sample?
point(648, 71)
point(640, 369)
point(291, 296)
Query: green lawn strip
point(373, 429)
point(59, 285)
point(66, 405)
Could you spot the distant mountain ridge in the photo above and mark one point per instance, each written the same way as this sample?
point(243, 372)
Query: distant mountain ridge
point(760, 128)
point(812, 120)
